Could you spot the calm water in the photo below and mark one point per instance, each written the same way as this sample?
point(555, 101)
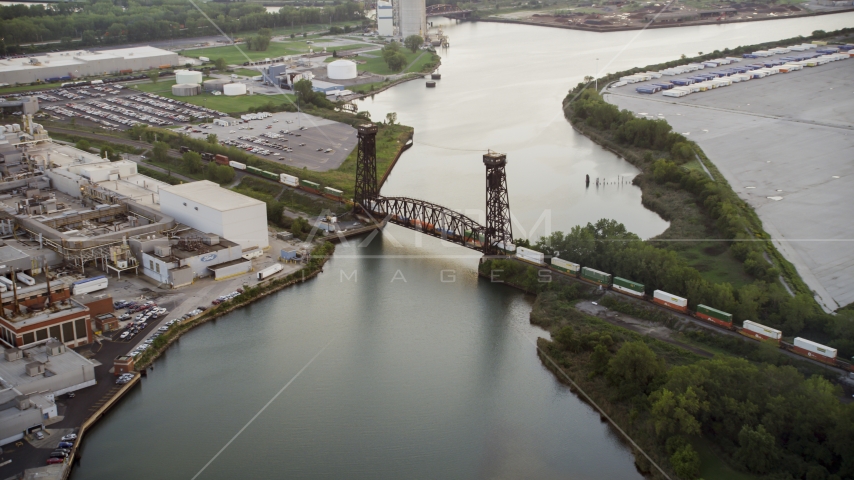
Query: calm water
point(414, 377)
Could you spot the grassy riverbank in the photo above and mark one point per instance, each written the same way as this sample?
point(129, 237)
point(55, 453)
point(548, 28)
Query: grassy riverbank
point(696, 417)
point(318, 258)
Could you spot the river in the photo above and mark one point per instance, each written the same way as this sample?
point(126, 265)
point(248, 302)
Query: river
point(397, 373)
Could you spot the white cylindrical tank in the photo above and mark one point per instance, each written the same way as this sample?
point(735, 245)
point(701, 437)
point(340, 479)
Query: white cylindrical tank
point(341, 70)
point(233, 89)
point(186, 89)
point(188, 76)
point(413, 18)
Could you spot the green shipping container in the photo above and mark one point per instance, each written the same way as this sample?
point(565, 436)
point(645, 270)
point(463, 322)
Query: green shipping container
point(310, 184)
point(596, 276)
point(634, 286)
point(715, 313)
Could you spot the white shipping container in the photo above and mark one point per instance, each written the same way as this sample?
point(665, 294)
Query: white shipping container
point(90, 287)
point(529, 255)
point(288, 180)
point(237, 165)
point(569, 266)
point(670, 298)
point(205, 59)
point(816, 348)
point(675, 93)
point(3, 287)
point(272, 269)
point(6, 281)
point(24, 278)
point(762, 330)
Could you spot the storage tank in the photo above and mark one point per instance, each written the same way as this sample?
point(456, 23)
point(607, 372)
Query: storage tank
point(215, 84)
point(233, 89)
point(188, 76)
point(413, 18)
point(341, 70)
point(186, 89)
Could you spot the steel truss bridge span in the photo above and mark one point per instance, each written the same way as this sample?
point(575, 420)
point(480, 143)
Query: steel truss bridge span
point(430, 219)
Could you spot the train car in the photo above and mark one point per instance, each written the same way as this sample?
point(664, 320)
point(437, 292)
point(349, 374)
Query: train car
point(255, 170)
point(760, 332)
point(310, 186)
point(339, 194)
point(670, 301)
point(815, 351)
point(288, 180)
point(25, 279)
point(220, 159)
point(624, 285)
point(563, 266)
point(269, 175)
point(595, 276)
point(237, 165)
point(715, 316)
point(530, 256)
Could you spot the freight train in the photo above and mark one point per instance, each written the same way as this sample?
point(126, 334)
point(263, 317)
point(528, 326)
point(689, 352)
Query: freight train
point(283, 178)
point(721, 319)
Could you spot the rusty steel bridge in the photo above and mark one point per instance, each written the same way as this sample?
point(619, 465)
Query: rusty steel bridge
point(449, 11)
point(430, 218)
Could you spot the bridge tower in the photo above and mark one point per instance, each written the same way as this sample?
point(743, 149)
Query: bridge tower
point(366, 166)
point(498, 229)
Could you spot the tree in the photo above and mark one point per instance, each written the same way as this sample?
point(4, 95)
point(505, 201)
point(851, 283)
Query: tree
point(160, 151)
point(757, 451)
point(220, 64)
point(675, 413)
point(686, 462)
point(193, 161)
point(634, 369)
point(154, 76)
point(65, 42)
point(212, 139)
point(565, 337)
point(391, 118)
point(89, 38)
point(396, 62)
point(300, 227)
point(412, 42)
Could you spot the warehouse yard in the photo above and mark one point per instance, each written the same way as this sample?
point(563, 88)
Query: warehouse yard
point(785, 144)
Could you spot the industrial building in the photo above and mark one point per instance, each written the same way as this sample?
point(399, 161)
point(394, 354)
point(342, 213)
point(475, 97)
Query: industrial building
point(209, 208)
point(53, 67)
point(321, 86)
point(226, 121)
point(412, 18)
point(385, 18)
point(31, 378)
point(188, 254)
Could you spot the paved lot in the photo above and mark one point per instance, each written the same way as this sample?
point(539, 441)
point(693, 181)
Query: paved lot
point(319, 133)
point(785, 144)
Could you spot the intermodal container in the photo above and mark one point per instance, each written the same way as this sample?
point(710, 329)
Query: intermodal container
point(761, 332)
point(237, 165)
point(275, 268)
point(714, 315)
point(565, 267)
point(125, 72)
point(288, 180)
point(529, 255)
point(310, 184)
point(814, 350)
point(596, 276)
point(333, 191)
point(627, 286)
point(670, 301)
point(252, 169)
point(270, 175)
point(221, 159)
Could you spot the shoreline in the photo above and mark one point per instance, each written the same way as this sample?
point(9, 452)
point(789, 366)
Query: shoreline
point(411, 76)
point(595, 29)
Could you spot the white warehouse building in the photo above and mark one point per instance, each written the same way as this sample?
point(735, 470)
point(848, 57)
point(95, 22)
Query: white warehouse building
point(82, 63)
point(207, 207)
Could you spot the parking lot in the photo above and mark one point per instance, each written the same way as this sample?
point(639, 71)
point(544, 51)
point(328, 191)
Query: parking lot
point(298, 140)
point(114, 107)
point(785, 145)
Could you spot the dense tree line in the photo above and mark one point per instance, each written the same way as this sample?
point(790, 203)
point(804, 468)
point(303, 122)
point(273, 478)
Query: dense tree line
point(113, 22)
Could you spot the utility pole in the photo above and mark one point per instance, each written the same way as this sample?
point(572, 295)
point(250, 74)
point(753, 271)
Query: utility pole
point(596, 75)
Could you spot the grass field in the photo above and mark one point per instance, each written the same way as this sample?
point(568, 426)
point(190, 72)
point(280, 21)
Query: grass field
point(378, 65)
point(238, 54)
point(246, 72)
point(715, 263)
point(222, 103)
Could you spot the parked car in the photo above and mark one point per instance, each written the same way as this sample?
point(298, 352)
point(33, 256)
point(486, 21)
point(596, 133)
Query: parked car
point(40, 435)
point(58, 455)
point(124, 335)
point(69, 437)
point(54, 461)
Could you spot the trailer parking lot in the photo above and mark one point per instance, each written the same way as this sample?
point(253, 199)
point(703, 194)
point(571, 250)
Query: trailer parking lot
point(298, 140)
point(785, 144)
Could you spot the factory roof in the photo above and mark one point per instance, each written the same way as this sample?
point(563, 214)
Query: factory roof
point(9, 253)
point(14, 373)
point(211, 195)
point(79, 57)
